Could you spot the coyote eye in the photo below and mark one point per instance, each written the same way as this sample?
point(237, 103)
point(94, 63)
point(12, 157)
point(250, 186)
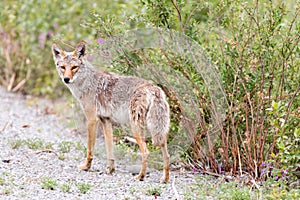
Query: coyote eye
point(62, 67)
point(74, 68)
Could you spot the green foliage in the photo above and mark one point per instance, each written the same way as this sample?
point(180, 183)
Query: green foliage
point(66, 187)
point(25, 59)
point(154, 191)
point(254, 45)
point(83, 187)
point(65, 146)
point(288, 155)
point(34, 143)
point(205, 188)
point(49, 145)
point(49, 183)
point(2, 181)
point(16, 143)
point(283, 194)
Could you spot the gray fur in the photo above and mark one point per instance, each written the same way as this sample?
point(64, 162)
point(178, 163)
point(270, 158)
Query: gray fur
point(119, 99)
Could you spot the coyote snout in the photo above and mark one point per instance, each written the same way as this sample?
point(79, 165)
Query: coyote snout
point(107, 98)
point(66, 79)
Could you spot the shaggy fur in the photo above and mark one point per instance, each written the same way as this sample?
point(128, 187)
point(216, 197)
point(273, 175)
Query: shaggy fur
point(109, 98)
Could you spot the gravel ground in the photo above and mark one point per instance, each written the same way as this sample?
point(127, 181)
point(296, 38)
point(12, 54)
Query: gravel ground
point(27, 121)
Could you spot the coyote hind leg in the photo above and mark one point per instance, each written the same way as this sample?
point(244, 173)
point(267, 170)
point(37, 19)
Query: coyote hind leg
point(166, 173)
point(140, 139)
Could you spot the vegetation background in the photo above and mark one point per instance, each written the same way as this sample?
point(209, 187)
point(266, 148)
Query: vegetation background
point(253, 44)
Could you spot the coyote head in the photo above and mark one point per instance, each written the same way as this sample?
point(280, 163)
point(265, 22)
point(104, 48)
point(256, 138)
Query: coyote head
point(69, 64)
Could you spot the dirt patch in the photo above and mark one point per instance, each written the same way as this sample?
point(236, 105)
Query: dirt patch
point(40, 152)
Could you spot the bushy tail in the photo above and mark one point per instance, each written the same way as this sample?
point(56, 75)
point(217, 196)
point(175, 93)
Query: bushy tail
point(158, 118)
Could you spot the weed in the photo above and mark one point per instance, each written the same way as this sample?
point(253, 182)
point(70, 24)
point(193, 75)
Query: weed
point(5, 173)
point(81, 147)
point(84, 187)
point(16, 144)
point(23, 195)
point(34, 143)
point(49, 145)
point(61, 156)
point(65, 146)
point(7, 190)
point(156, 191)
point(66, 187)
point(206, 187)
point(49, 183)
point(132, 190)
point(2, 181)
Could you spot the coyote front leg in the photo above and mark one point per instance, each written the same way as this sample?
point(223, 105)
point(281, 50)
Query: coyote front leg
point(92, 125)
point(108, 136)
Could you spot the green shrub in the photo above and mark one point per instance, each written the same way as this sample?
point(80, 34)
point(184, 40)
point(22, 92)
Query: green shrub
point(256, 49)
point(253, 45)
point(27, 30)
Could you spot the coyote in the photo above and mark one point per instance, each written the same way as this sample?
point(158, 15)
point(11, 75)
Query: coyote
point(113, 99)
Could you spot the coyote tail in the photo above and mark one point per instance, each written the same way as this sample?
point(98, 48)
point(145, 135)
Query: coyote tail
point(158, 118)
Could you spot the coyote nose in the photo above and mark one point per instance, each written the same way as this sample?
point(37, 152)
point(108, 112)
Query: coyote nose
point(67, 80)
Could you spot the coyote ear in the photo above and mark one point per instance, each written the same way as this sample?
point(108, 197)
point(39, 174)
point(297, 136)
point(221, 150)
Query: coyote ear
point(80, 50)
point(57, 51)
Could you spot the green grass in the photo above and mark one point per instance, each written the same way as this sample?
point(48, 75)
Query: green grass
point(7, 191)
point(31, 143)
point(49, 145)
point(81, 147)
point(154, 191)
point(65, 146)
point(49, 183)
point(66, 187)
point(207, 187)
point(16, 143)
point(34, 143)
point(83, 187)
point(2, 181)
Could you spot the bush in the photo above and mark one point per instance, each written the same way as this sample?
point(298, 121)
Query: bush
point(27, 31)
point(254, 46)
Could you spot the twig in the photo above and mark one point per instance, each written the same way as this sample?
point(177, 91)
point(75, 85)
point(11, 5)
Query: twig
point(240, 163)
point(5, 125)
point(258, 188)
point(22, 83)
point(212, 173)
point(175, 190)
point(11, 81)
point(190, 15)
point(44, 150)
point(179, 14)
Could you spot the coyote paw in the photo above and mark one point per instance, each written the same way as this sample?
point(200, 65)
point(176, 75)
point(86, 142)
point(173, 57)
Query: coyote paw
point(110, 169)
point(139, 177)
point(85, 167)
point(164, 179)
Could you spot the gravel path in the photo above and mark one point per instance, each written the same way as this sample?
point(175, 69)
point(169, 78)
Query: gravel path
point(39, 155)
